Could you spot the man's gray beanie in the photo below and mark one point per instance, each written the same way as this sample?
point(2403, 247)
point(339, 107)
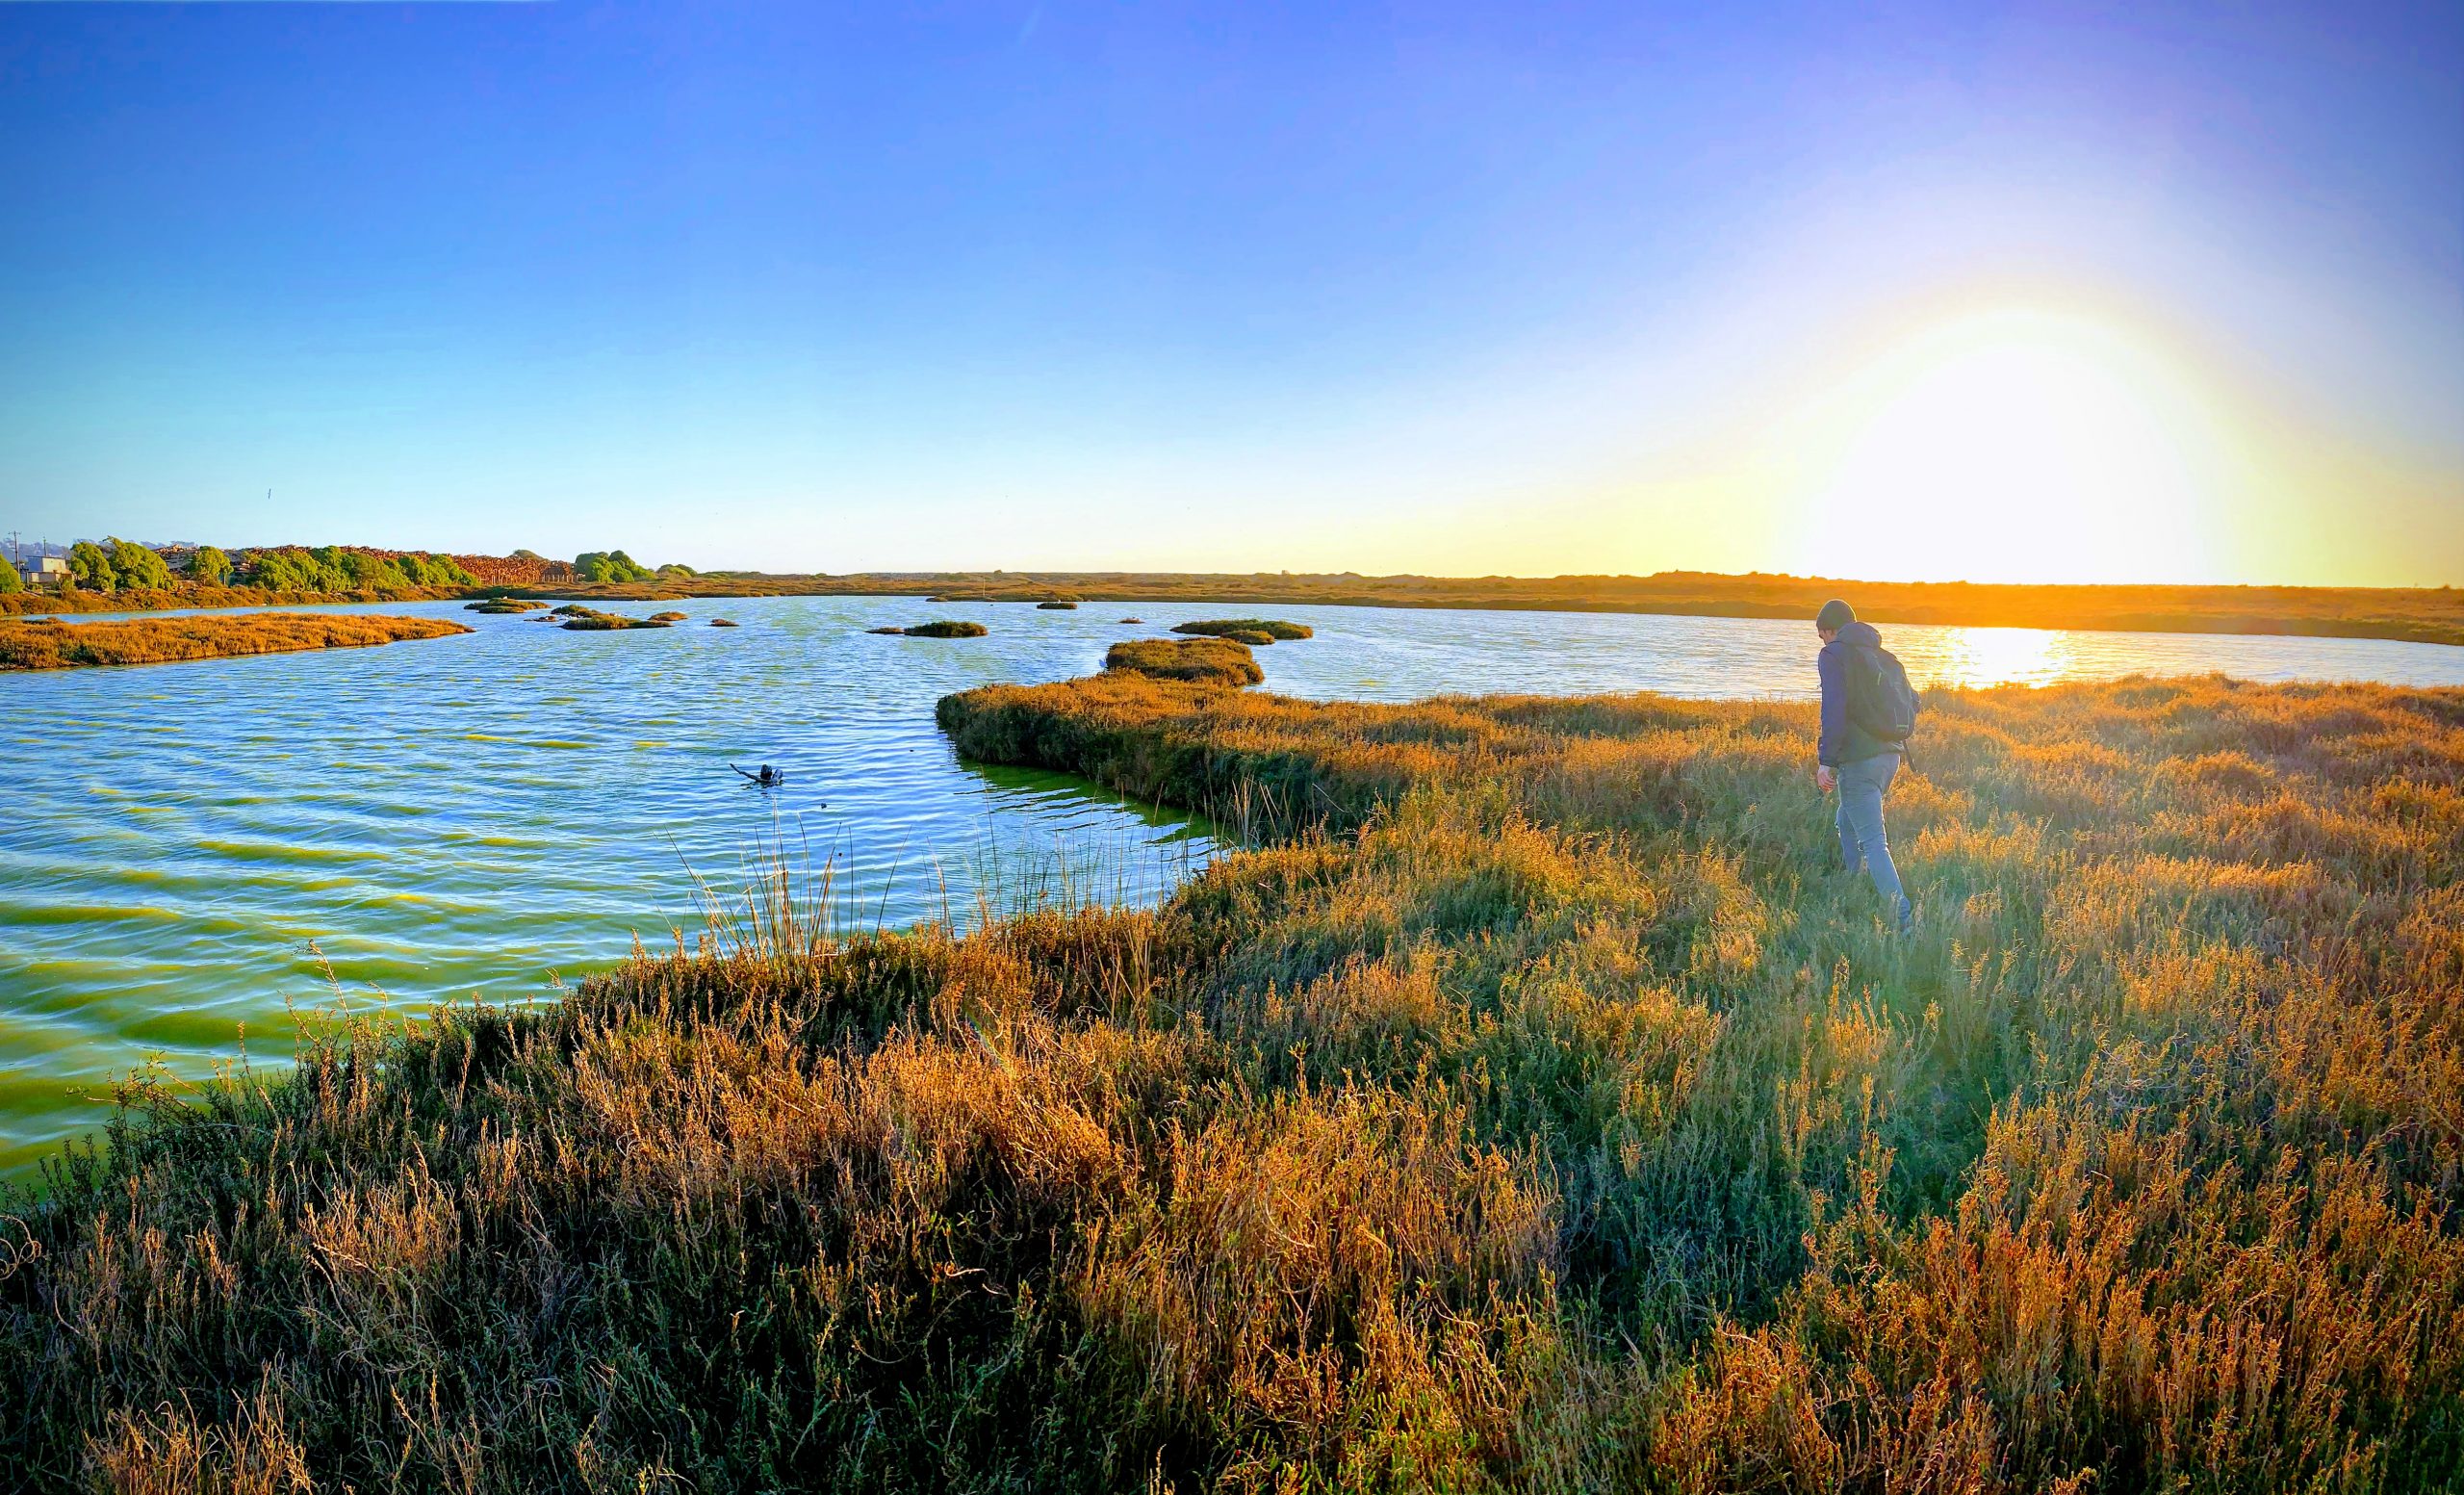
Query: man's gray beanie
point(1834, 616)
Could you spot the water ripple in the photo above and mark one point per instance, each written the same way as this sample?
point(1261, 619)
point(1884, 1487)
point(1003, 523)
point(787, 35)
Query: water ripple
point(190, 846)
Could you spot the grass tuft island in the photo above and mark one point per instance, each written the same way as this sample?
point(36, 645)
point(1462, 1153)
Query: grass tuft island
point(1247, 629)
point(49, 644)
point(1210, 661)
point(590, 620)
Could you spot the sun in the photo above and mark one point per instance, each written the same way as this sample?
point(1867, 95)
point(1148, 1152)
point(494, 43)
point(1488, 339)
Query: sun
point(2014, 445)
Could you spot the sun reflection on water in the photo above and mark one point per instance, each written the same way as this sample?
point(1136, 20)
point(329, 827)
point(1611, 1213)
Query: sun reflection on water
point(1973, 657)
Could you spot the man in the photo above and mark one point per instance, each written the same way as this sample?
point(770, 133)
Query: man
point(1858, 755)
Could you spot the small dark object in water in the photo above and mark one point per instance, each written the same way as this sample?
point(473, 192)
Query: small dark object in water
point(724, 622)
point(1133, 620)
point(667, 617)
point(768, 777)
point(893, 629)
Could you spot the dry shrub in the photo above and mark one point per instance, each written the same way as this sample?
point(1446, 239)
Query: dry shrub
point(167, 1452)
point(1325, 1280)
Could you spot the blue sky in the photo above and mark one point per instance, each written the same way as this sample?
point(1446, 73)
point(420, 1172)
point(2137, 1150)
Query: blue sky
point(1526, 288)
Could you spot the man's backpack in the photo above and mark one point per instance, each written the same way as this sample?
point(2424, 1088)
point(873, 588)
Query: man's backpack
point(1880, 702)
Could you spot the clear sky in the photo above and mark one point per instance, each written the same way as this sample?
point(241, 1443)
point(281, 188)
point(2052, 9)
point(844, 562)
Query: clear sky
point(2035, 293)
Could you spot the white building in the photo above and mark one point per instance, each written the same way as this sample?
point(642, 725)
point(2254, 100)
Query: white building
point(46, 573)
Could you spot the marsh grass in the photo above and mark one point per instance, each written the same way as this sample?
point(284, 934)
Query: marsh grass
point(1205, 662)
point(590, 620)
point(944, 628)
point(1531, 1105)
point(47, 644)
point(1247, 630)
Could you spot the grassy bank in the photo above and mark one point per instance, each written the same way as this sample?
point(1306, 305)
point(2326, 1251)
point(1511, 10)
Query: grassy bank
point(42, 644)
point(1533, 1108)
point(185, 595)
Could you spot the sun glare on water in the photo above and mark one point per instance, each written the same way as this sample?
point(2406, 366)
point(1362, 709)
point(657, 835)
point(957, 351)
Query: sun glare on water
point(2015, 446)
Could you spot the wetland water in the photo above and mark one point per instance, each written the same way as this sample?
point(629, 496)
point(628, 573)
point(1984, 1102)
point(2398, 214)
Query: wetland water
point(188, 848)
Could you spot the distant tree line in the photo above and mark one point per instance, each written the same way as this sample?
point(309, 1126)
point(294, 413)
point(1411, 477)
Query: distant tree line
point(332, 569)
point(617, 566)
point(116, 565)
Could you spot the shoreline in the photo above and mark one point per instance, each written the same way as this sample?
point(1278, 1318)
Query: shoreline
point(2434, 615)
point(40, 644)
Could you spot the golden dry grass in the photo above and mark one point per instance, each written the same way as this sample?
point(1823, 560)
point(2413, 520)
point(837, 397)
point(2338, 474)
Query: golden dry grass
point(43, 644)
point(1267, 628)
point(190, 593)
point(1210, 661)
point(1533, 1108)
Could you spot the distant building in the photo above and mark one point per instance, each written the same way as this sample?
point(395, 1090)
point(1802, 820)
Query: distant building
point(47, 573)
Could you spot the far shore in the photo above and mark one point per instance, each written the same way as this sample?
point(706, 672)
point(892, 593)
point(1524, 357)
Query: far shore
point(45, 644)
point(2432, 615)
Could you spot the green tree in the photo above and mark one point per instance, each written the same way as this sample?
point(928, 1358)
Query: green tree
point(10, 579)
point(418, 568)
point(327, 561)
point(209, 566)
point(136, 565)
point(90, 569)
point(286, 570)
point(361, 571)
point(610, 566)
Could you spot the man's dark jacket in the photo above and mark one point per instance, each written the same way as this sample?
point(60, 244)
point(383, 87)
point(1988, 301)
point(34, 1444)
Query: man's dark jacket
point(1843, 741)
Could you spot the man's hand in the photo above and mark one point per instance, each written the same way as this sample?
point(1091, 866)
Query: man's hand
point(1824, 778)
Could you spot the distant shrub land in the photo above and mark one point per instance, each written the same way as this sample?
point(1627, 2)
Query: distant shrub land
point(2426, 615)
point(45, 644)
point(117, 576)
